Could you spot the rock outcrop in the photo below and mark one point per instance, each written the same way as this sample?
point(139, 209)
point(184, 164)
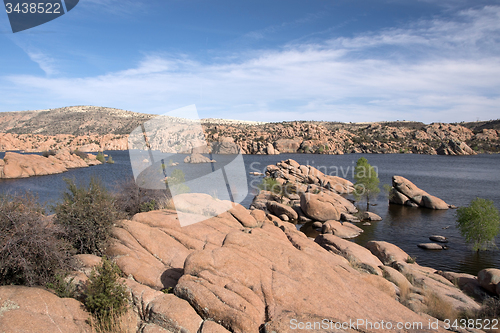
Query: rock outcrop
point(196, 158)
point(308, 177)
point(243, 272)
point(24, 309)
point(88, 128)
point(489, 279)
point(15, 165)
point(302, 193)
point(404, 192)
point(225, 145)
point(228, 277)
point(454, 147)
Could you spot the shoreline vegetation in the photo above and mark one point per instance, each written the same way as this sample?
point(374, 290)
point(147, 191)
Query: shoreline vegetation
point(126, 259)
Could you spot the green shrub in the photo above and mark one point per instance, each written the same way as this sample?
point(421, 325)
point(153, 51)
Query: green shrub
point(110, 160)
point(131, 199)
point(168, 290)
point(87, 213)
point(147, 206)
point(80, 154)
point(270, 184)
point(106, 296)
point(176, 182)
point(479, 223)
point(32, 251)
point(100, 157)
point(367, 181)
point(47, 153)
point(61, 287)
point(411, 260)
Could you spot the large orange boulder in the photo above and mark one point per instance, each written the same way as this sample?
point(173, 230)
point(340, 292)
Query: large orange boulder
point(230, 277)
point(489, 278)
point(244, 283)
point(404, 192)
point(387, 253)
point(356, 254)
point(325, 206)
point(35, 310)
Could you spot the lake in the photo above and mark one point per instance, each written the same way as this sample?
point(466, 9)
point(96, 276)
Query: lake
point(455, 179)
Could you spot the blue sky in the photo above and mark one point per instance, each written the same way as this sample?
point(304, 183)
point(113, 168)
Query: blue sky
point(342, 60)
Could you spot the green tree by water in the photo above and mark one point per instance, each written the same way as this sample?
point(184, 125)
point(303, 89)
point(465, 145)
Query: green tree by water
point(100, 157)
point(176, 182)
point(479, 223)
point(367, 181)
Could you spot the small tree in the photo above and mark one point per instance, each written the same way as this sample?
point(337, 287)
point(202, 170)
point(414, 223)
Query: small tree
point(100, 157)
point(367, 181)
point(479, 223)
point(272, 185)
point(110, 160)
point(176, 182)
point(106, 296)
point(87, 214)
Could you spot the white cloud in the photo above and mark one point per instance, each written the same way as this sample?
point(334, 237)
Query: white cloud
point(433, 70)
point(46, 63)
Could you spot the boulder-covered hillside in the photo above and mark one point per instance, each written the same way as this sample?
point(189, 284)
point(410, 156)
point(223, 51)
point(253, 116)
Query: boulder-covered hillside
point(97, 128)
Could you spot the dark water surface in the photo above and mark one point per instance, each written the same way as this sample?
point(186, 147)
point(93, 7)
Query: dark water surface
point(455, 179)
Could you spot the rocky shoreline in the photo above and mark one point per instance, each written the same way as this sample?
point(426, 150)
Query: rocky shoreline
point(244, 272)
point(15, 165)
point(290, 137)
point(252, 271)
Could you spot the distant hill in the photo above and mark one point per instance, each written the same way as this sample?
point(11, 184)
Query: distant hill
point(478, 126)
point(74, 120)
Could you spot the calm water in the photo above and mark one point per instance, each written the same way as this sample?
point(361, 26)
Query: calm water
point(457, 180)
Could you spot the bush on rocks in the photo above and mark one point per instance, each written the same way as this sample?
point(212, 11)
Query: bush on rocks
point(132, 199)
point(106, 296)
point(80, 154)
point(87, 213)
point(47, 153)
point(100, 157)
point(31, 249)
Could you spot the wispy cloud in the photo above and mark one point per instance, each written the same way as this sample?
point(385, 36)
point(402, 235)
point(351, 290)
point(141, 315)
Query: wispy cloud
point(434, 70)
point(45, 62)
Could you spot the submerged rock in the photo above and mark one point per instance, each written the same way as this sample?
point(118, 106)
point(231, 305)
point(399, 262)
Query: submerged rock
point(432, 246)
point(437, 238)
point(369, 216)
